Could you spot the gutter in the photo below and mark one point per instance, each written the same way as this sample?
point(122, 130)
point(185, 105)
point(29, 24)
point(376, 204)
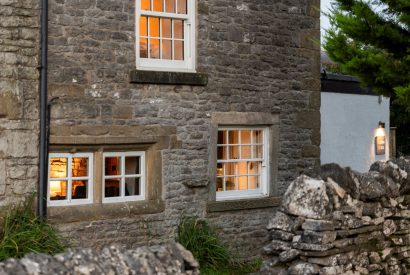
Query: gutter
point(43, 146)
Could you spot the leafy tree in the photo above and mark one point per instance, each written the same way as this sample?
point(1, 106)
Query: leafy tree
point(371, 40)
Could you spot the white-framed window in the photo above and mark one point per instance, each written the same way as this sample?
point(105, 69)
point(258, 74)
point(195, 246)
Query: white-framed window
point(242, 162)
point(70, 179)
point(165, 35)
point(123, 176)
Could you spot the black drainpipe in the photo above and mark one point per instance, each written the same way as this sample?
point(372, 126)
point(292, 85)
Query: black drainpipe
point(43, 148)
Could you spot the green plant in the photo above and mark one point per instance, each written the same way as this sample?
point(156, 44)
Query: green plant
point(23, 232)
point(213, 255)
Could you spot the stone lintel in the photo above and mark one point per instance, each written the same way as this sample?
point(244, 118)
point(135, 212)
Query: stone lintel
point(171, 78)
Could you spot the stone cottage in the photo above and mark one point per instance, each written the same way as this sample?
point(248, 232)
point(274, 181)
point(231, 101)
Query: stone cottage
point(159, 109)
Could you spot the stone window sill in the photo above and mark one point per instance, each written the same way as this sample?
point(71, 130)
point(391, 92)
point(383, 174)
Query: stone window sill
point(221, 206)
point(168, 78)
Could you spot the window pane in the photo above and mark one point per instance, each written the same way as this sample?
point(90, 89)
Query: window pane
point(245, 136)
point(166, 28)
point(166, 49)
point(222, 137)
point(132, 165)
point(257, 151)
point(146, 5)
point(182, 6)
point(79, 189)
point(179, 50)
point(158, 5)
point(58, 168)
point(253, 182)
point(132, 186)
point(245, 152)
point(170, 5)
point(153, 27)
point(243, 183)
point(58, 190)
point(219, 184)
point(221, 152)
point(230, 168)
point(112, 166)
point(242, 168)
point(230, 183)
point(178, 29)
point(233, 152)
point(143, 26)
point(257, 136)
point(79, 167)
point(254, 168)
point(233, 137)
point(112, 188)
point(219, 169)
point(154, 48)
point(143, 48)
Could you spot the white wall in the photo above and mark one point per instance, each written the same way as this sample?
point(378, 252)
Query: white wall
point(348, 128)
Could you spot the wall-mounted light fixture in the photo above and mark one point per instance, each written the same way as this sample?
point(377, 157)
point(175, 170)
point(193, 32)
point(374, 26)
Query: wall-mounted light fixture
point(380, 139)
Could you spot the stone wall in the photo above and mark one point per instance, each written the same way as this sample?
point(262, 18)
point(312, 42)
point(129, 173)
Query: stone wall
point(171, 258)
point(351, 223)
point(19, 49)
point(260, 56)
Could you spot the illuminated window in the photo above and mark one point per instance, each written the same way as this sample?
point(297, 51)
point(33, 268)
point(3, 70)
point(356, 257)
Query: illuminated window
point(165, 35)
point(70, 179)
point(124, 176)
point(242, 163)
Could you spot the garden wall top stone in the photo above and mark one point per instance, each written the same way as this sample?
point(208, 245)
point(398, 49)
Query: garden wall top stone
point(172, 258)
point(306, 197)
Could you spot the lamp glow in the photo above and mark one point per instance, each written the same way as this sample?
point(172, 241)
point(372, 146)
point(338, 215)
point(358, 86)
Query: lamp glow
point(380, 139)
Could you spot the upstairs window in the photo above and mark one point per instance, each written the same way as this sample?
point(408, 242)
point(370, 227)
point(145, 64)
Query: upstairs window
point(242, 162)
point(165, 35)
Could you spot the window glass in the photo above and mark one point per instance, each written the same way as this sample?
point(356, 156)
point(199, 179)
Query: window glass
point(69, 186)
point(163, 25)
point(127, 184)
point(240, 160)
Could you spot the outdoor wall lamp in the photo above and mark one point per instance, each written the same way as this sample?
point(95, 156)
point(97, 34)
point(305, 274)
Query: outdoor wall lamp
point(380, 139)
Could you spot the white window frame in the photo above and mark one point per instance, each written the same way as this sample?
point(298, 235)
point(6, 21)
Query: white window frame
point(122, 176)
point(69, 179)
point(186, 65)
point(263, 190)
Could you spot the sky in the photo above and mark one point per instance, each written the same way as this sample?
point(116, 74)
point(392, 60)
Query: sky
point(324, 21)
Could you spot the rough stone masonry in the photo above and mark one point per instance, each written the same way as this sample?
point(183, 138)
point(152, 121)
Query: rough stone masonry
point(347, 223)
point(259, 56)
point(171, 258)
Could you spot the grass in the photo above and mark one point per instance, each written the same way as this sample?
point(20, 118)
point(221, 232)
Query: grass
point(213, 255)
point(23, 232)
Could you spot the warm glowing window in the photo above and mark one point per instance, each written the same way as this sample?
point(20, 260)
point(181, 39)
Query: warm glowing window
point(70, 179)
point(124, 176)
point(242, 160)
point(165, 33)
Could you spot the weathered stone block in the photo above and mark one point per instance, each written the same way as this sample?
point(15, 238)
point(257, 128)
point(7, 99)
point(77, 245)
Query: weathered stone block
point(306, 197)
point(280, 221)
point(318, 225)
point(315, 237)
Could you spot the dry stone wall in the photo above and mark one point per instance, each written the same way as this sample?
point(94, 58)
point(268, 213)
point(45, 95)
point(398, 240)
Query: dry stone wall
point(19, 49)
point(171, 258)
point(347, 223)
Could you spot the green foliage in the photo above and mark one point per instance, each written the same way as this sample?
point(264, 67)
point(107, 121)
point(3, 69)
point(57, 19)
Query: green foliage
point(370, 39)
point(23, 232)
point(213, 255)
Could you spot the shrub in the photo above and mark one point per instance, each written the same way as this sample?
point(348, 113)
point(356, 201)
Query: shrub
point(23, 232)
point(213, 255)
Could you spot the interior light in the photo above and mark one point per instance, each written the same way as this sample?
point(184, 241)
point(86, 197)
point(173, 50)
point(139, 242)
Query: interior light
point(380, 139)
